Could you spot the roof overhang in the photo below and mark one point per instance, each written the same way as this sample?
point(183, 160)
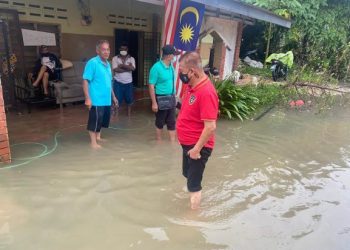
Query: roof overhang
point(245, 10)
point(234, 9)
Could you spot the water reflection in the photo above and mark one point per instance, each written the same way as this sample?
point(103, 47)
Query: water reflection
point(278, 183)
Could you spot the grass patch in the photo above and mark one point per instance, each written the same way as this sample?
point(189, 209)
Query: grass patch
point(264, 72)
point(301, 74)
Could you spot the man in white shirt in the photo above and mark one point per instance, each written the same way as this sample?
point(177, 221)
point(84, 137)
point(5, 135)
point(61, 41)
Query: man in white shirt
point(123, 65)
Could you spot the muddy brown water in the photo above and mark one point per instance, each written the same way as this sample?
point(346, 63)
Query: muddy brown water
point(282, 182)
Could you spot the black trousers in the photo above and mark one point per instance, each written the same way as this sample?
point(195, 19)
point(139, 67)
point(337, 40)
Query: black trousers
point(193, 169)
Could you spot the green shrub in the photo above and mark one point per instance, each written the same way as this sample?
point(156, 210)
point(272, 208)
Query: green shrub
point(234, 102)
point(243, 102)
point(308, 75)
point(303, 74)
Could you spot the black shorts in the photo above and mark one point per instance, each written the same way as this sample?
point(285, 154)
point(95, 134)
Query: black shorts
point(124, 91)
point(166, 117)
point(99, 117)
point(193, 169)
point(52, 74)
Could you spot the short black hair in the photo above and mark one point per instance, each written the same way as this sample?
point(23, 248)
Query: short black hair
point(124, 44)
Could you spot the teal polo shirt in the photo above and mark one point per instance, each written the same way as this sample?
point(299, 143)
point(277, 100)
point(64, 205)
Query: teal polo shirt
point(99, 76)
point(162, 77)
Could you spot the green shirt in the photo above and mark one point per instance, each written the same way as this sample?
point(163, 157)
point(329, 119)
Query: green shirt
point(162, 77)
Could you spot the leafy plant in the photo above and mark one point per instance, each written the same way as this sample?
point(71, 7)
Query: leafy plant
point(319, 36)
point(312, 76)
point(246, 101)
point(233, 101)
point(297, 73)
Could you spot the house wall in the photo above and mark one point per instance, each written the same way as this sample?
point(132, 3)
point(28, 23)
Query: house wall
point(205, 45)
point(80, 47)
point(225, 50)
point(205, 52)
point(218, 45)
point(78, 41)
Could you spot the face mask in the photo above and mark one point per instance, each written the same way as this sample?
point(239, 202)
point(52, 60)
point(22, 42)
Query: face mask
point(184, 78)
point(123, 52)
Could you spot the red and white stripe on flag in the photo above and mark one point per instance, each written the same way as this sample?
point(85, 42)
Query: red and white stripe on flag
point(171, 16)
point(170, 19)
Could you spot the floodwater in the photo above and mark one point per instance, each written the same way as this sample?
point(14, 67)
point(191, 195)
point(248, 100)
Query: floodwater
point(282, 182)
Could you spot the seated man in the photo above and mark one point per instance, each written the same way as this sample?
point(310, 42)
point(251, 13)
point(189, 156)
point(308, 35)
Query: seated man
point(46, 69)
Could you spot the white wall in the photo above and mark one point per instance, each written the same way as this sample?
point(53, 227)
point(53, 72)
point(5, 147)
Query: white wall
point(227, 29)
point(100, 10)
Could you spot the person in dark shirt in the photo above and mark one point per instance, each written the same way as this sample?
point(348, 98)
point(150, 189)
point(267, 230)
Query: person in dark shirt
point(47, 68)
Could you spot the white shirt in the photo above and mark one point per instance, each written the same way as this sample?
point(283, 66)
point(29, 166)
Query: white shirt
point(125, 77)
point(46, 62)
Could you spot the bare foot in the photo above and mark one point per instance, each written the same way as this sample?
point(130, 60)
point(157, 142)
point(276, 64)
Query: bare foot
point(95, 146)
point(195, 199)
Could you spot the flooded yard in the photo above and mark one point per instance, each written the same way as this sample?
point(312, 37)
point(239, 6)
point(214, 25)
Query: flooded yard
point(282, 182)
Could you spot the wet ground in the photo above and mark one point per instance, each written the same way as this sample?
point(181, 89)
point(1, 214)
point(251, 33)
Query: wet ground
point(282, 182)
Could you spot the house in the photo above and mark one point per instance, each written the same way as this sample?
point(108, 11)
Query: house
point(78, 24)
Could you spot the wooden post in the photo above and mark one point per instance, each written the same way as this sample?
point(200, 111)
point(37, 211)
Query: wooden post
point(268, 44)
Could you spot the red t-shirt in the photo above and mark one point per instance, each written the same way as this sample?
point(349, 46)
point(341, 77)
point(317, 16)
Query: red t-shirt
point(199, 104)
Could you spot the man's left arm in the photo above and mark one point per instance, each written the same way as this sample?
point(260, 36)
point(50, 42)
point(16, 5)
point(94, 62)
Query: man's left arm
point(207, 132)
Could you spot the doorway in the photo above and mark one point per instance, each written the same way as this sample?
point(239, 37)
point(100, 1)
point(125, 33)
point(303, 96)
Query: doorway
point(144, 47)
point(131, 38)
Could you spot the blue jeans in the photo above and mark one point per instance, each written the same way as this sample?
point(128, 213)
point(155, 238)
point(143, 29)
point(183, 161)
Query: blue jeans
point(124, 92)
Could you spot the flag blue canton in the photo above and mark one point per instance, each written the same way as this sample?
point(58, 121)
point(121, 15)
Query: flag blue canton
point(188, 25)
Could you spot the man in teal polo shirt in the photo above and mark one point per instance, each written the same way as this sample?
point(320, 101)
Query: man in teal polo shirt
point(161, 83)
point(97, 85)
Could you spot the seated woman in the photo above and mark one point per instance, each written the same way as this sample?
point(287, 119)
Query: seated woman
point(47, 68)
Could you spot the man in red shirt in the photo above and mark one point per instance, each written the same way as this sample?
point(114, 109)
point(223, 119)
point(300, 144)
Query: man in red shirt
point(196, 122)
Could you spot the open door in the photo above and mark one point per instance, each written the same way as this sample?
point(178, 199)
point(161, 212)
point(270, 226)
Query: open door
point(132, 39)
point(144, 47)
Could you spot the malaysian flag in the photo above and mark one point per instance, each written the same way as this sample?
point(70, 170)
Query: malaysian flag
point(183, 19)
point(171, 16)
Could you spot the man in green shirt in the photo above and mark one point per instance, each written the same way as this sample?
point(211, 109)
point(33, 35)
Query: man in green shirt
point(162, 83)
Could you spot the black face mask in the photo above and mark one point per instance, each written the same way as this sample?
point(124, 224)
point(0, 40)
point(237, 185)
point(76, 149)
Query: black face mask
point(184, 78)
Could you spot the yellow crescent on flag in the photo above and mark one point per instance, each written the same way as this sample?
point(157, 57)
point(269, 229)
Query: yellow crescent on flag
point(190, 10)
